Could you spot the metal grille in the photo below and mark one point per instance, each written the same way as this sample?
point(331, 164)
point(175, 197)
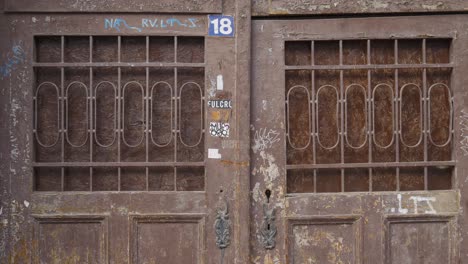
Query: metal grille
point(368, 115)
point(119, 113)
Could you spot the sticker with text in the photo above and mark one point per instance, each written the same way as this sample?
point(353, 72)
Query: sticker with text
point(220, 104)
point(221, 26)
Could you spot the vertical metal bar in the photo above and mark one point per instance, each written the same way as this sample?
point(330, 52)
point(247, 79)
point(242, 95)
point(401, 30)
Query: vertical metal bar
point(313, 102)
point(425, 109)
point(91, 120)
point(176, 114)
point(119, 132)
point(147, 124)
point(396, 117)
point(33, 135)
point(62, 115)
point(369, 111)
point(452, 113)
point(341, 119)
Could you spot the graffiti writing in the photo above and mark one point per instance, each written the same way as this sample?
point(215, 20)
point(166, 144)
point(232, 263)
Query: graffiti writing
point(264, 139)
point(417, 200)
point(13, 58)
point(464, 132)
point(119, 23)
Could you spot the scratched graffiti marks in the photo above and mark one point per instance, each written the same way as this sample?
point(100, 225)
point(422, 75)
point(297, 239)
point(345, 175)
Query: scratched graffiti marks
point(464, 132)
point(218, 129)
point(120, 23)
point(13, 58)
point(417, 200)
point(264, 139)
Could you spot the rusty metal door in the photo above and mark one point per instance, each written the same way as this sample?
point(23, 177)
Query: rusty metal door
point(359, 140)
point(116, 127)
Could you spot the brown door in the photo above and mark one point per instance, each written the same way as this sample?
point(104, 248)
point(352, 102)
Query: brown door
point(116, 146)
point(359, 138)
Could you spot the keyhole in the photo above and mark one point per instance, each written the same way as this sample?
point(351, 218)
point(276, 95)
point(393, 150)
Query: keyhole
point(268, 194)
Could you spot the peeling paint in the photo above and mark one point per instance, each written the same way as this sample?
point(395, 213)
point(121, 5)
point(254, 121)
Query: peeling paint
point(212, 87)
point(433, 7)
point(378, 4)
point(269, 169)
point(256, 193)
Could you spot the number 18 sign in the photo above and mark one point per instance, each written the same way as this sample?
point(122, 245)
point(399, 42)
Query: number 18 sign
point(221, 26)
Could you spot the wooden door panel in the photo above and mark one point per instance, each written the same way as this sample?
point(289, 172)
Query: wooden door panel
point(420, 240)
point(73, 239)
point(353, 134)
point(334, 239)
point(167, 238)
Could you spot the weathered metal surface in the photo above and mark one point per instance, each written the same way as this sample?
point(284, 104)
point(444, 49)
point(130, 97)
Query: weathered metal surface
point(5, 191)
point(329, 7)
point(108, 6)
point(223, 226)
point(133, 222)
point(269, 229)
point(353, 225)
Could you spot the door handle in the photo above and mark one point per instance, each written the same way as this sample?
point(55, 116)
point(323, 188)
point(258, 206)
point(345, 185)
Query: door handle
point(222, 225)
point(268, 228)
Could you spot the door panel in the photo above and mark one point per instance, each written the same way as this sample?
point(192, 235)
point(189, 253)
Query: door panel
point(92, 155)
point(354, 134)
point(111, 138)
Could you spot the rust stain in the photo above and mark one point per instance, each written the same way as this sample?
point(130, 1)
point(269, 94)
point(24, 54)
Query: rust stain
point(221, 115)
point(235, 163)
point(21, 253)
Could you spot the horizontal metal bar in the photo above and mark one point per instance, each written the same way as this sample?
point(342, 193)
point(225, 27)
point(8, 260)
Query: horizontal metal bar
point(366, 193)
point(327, 37)
point(118, 164)
point(369, 67)
point(373, 165)
point(118, 64)
point(93, 194)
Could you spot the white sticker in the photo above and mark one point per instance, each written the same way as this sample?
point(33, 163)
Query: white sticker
point(219, 83)
point(218, 129)
point(214, 154)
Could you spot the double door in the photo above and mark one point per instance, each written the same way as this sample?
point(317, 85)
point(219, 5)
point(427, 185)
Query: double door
point(133, 147)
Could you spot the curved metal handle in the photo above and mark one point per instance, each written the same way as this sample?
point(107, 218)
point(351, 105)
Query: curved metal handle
point(222, 226)
point(268, 228)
